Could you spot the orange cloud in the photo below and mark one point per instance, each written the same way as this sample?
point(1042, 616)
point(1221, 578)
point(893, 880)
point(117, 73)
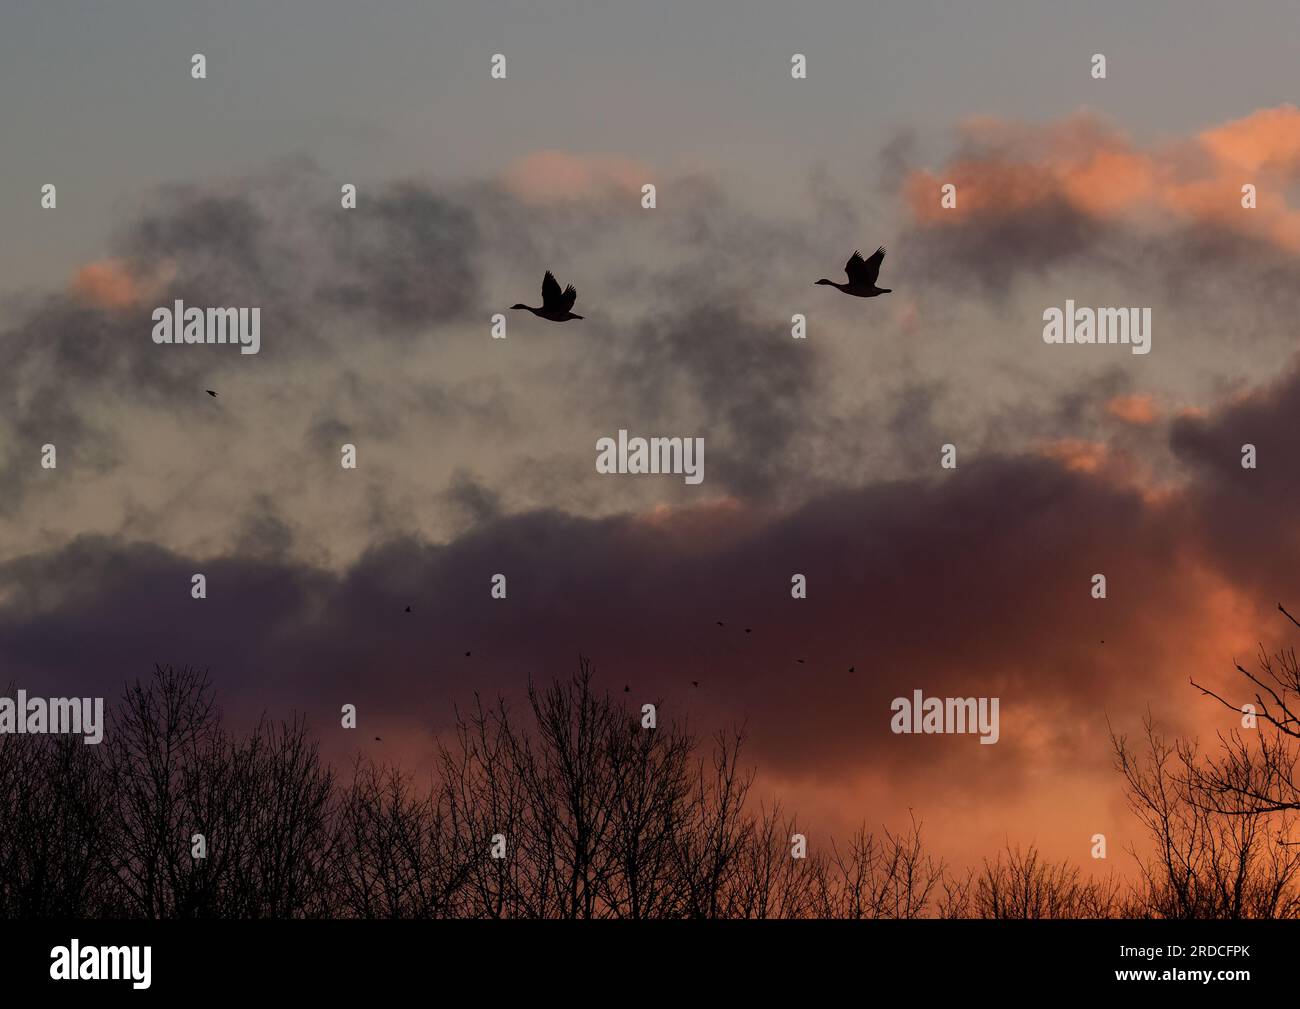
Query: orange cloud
point(1076, 454)
point(554, 176)
point(1267, 140)
point(1005, 168)
point(112, 283)
point(1109, 464)
point(1139, 408)
point(106, 283)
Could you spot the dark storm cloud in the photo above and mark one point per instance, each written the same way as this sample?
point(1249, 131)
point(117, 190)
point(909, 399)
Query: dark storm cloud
point(711, 349)
point(220, 239)
point(478, 502)
point(406, 262)
point(750, 384)
point(65, 362)
point(1247, 517)
point(321, 276)
point(282, 240)
point(990, 254)
point(911, 583)
point(711, 346)
point(264, 533)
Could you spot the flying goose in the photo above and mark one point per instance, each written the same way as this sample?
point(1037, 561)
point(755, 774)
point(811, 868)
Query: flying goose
point(862, 274)
point(556, 306)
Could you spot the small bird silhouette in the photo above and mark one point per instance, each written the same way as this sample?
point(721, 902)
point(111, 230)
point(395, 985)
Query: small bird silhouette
point(862, 274)
point(556, 305)
point(408, 609)
point(627, 690)
point(695, 683)
point(467, 655)
point(721, 624)
point(800, 661)
point(748, 630)
point(852, 669)
point(210, 393)
point(378, 740)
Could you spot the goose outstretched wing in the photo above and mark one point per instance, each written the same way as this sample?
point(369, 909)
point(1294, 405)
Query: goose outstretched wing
point(863, 272)
point(551, 296)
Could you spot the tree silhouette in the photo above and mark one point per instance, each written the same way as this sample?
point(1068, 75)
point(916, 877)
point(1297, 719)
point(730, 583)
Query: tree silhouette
point(1020, 884)
point(593, 815)
point(1207, 863)
point(393, 852)
point(54, 822)
point(1222, 824)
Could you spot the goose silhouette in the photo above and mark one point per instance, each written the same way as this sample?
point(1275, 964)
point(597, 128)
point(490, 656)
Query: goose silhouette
point(862, 274)
point(556, 306)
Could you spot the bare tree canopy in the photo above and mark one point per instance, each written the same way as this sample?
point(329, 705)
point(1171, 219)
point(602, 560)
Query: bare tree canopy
point(574, 809)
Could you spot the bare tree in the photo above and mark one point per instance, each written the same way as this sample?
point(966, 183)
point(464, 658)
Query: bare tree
point(53, 821)
point(712, 835)
point(163, 729)
point(767, 881)
point(886, 877)
point(1020, 884)
point(485, 803)
point(572, 777)
point(1208, 862)
point(592, 808)
point(1255, 772)
point(393, 853)
point(650, 803)
point(575, 808)
point(272, 821)
point(260, 805)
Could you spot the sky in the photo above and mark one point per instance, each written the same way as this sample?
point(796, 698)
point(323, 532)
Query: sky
point(476, 456)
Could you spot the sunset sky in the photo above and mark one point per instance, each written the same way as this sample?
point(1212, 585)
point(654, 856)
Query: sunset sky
point(477, 456)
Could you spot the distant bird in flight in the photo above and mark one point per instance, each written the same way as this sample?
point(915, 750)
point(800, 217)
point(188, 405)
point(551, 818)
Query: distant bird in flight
point(556, 305)
point(695, 683)
point(210, 393)
point(467, 655)
point(721, 624)
point(627, 690)
point(378, 740)
point(408, 609)
point(862, 274)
